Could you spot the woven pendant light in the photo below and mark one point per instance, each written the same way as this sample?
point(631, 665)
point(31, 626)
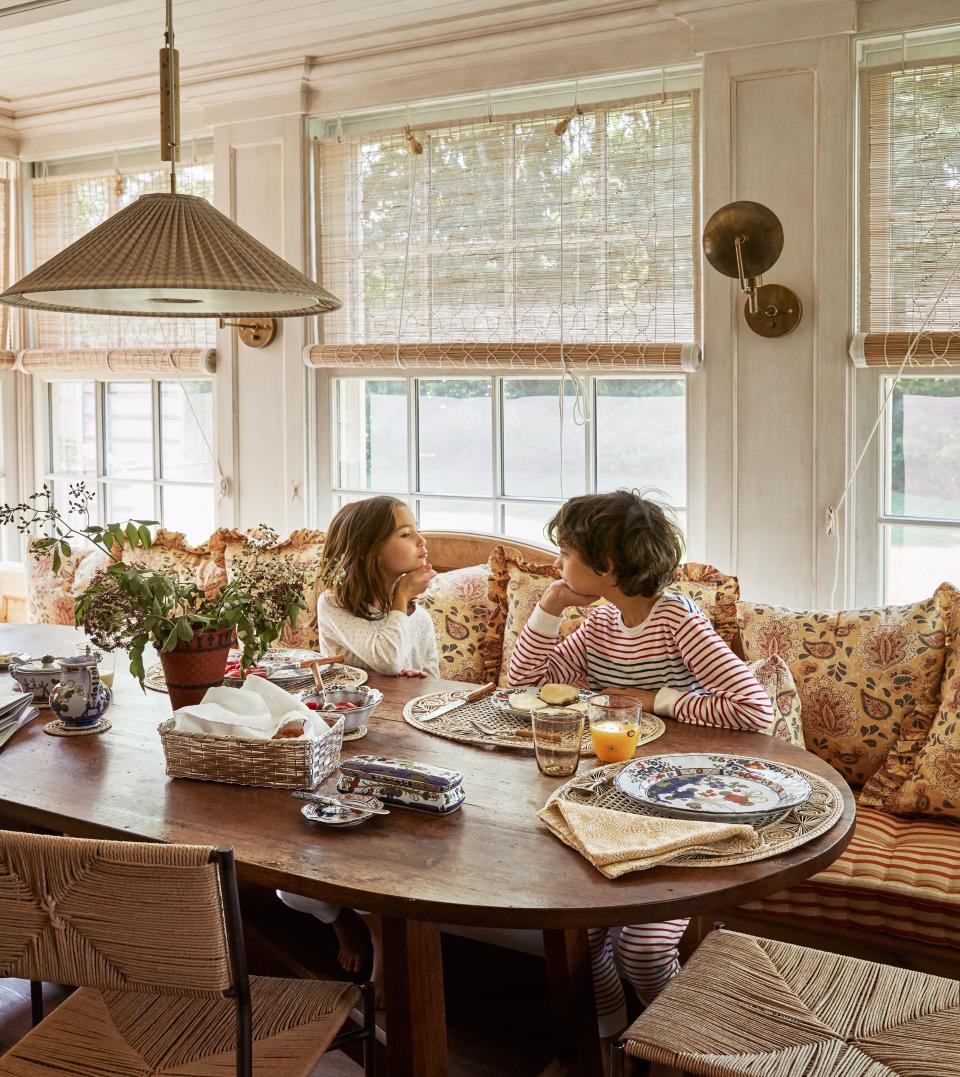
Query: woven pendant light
point(170, 255)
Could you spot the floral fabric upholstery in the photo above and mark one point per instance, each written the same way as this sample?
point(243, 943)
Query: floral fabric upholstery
point(922, 774)
point(864, 676)
point(169, 553)
point(230, 549)
point(516, 587)
point(777, 681)
point(897, 877)
point(458, 603)
point(51, 599)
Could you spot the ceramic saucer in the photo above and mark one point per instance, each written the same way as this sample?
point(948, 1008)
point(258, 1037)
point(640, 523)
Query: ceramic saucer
point(333, 815)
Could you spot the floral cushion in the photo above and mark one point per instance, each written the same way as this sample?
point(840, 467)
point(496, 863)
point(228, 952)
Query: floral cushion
point(922, 775)
point(516, 587)
point(777, 681)
point(51, 599)
point(863, 675)
point(230, 549)
point(170, 553)
point(458, 603)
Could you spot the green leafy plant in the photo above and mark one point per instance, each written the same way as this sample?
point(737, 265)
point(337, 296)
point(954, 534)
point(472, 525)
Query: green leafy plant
point(133, 605)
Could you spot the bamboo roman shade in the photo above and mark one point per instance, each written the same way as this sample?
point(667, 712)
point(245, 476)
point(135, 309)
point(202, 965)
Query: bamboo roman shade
point(63, 210)
point(506, 244)
point(117, 364)
point(910, 216)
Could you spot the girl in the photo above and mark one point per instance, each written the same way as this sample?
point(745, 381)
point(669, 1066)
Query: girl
point(374, 564)
point(658, 647)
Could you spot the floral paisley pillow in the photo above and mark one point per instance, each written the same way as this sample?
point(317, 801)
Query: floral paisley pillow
point(50, 598)
point(458, 603)
point(232, 549)
point(922, 775)
point(863, 676)
point(777, 681)
point(169, 552)
point(516, 587)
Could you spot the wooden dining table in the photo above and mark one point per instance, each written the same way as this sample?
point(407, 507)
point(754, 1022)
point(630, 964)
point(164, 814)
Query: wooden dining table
point(490, 864)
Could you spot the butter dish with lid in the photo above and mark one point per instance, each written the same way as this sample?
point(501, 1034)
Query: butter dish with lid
point(403, 782)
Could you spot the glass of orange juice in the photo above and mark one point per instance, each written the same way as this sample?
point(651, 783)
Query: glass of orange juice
point(614, 725)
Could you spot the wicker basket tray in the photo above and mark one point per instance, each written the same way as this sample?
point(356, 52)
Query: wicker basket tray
point(284, 764)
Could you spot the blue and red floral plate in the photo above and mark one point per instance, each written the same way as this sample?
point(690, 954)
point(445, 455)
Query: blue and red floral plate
point(715, 788)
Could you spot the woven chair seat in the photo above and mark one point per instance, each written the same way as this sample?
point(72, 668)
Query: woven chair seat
point(751, 1007)
point(125, 1034)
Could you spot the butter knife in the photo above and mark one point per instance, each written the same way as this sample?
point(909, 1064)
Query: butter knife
point(471, 697)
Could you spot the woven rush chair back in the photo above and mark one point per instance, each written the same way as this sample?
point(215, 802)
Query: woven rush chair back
point(112, 914)
point(449, 550)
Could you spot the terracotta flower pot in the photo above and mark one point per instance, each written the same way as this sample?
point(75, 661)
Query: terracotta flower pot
point(193, 667)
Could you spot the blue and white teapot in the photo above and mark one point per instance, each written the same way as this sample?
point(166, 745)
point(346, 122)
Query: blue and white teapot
point(80, 699)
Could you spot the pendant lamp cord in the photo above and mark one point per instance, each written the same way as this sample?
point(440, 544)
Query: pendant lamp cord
point(174, 133)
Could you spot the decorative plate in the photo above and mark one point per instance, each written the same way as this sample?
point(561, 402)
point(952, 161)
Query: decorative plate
point(6, 657)
point(502, 696)
point(334, 815)
point(283, 668)
point(714, 788)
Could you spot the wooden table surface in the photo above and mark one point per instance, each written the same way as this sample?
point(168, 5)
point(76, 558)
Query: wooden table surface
point(492, 863)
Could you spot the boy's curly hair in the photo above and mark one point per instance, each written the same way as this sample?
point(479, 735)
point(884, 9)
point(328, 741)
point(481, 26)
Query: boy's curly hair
point(624, 530)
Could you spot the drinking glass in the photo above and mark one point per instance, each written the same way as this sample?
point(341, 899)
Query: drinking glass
point(557, 737)
point(614, 725)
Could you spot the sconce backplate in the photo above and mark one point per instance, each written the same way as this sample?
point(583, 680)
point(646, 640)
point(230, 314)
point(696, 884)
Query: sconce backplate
point(257, 333)
point(779, 311)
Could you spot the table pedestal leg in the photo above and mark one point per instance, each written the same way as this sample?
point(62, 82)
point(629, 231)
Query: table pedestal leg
point(416, 1018)
point(570, 983)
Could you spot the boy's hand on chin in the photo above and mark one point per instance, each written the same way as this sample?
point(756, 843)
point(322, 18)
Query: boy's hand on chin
point(558, 596)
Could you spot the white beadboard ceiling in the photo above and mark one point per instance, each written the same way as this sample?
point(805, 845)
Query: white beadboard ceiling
point(49, 47)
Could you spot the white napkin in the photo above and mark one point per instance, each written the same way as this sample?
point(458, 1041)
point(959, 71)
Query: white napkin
point(254, 711)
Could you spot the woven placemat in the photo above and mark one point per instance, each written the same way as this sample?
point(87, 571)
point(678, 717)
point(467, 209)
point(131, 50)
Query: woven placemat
point(58, 728)
point(803, 824)
point(483, 723)
point(338, 677)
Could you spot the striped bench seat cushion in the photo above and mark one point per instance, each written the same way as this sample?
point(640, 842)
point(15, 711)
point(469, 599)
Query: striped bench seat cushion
point(897, 876)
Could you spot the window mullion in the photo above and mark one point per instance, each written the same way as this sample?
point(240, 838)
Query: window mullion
point(99, 396)
point(158, 505)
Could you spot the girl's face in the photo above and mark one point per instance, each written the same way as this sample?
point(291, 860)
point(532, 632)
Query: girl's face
point(406, 549)
point(578, 575)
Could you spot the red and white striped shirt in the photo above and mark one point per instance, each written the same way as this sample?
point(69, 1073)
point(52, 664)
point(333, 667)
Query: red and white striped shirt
point(673, 652)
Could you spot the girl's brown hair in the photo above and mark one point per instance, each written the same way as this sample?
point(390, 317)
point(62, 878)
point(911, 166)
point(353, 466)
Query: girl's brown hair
point(351, 556)
point(624, 530)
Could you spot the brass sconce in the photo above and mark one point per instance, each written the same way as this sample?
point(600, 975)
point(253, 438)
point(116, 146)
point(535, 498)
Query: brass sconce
point(744, 240)
point(254, 332)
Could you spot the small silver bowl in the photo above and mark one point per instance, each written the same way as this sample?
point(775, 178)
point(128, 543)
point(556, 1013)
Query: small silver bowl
point(366, 699)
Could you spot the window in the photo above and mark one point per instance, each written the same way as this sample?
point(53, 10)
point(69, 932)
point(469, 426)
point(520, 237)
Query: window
point(921, 515)
point(142, 445)
point(909, 309)
point(486, 453)
point(485, 259)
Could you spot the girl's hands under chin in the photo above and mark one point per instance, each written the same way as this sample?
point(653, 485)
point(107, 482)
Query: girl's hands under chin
point(558, 596)
point(412, 584)
point(413, 673)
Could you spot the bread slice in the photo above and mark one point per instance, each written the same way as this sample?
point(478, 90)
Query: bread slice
point(559, 694)
point(525, 701)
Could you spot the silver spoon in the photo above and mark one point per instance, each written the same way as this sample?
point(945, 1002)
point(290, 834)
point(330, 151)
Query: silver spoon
point(342, 802)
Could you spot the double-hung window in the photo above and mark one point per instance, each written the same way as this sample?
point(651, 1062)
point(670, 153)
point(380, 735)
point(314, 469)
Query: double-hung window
point(520, 311)
point(910, 302)
point(124, 404)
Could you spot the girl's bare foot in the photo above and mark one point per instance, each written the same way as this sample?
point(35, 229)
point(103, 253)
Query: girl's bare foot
point(352, 940)
point(376, 937)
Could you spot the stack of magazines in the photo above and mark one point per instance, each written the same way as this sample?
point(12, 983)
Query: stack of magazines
point(16, 709)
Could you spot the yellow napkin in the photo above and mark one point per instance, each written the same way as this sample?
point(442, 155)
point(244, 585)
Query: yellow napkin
point(618, 842)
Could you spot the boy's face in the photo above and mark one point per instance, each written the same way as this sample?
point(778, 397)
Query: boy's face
point(579, 576)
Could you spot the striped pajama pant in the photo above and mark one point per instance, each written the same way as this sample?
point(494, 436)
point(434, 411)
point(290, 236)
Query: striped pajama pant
point(646, 955)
